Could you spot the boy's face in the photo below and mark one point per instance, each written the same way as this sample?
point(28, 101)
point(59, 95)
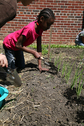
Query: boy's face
point(46, 23)
point(26, 2)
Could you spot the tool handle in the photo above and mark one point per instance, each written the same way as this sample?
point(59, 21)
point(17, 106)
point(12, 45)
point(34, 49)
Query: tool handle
point(42, 58)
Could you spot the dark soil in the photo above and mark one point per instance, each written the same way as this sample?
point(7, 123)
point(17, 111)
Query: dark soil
point(45, 99)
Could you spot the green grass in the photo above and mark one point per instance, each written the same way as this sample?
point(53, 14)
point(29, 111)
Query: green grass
point(65, 46)
point(56, 46)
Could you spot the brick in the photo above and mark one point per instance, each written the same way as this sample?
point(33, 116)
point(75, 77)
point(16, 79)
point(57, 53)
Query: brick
point(68, 21)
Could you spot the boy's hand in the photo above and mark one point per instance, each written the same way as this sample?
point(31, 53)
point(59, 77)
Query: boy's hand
point(42, 69)
point(3, 61)
point(36, 55)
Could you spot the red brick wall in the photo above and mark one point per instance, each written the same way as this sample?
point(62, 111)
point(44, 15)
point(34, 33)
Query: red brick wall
point(68, 22)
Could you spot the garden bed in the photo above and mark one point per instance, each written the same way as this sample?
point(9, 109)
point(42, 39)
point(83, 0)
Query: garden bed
point(46, 99)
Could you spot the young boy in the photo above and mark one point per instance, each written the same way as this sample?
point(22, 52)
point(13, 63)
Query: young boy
point(17, 42)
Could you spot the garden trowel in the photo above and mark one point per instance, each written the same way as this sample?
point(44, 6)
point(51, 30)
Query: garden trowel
point(10, 75)
point(50, 64)
point(45, 62)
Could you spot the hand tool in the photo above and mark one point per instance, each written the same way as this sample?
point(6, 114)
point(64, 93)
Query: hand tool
point(45, 62)
point(10, 75)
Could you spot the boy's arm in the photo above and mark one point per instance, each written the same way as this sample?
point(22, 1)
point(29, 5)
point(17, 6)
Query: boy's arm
point(39, 50)
point(20, 46)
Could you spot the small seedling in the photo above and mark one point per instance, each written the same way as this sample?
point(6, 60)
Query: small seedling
point(32, 99)
point(54, 87)
point(58, 62)
point(75, 78)
point(59, 65)
point(63, 69)
point(69, 69)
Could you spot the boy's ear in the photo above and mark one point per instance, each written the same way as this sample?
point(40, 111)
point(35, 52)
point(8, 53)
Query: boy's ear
point(41, 19)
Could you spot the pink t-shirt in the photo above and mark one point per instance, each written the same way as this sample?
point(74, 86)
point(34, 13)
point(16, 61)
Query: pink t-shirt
point(28, 31)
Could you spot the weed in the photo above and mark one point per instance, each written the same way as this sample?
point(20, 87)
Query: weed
point(54, 87)
point(32, 100)
point(59, 65)
point(55, 61)
point(48, 76)
point(79, 89)
point(63, 69)
point(58, 62)
point(50, 57)
point(69, 69)
point(80, 84)
point(52, 77)
point(75, 78)
point(32, 89)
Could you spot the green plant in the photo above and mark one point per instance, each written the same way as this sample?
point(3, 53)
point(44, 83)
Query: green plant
point(32, 99)
point(75, 78)
point(50, 57)
point(59, 64)
point(63, 69)
point(66, 46)
point(57, 61)
point(44, 49)
point(79, 88)
point(33, 46)
point(54, 87)
point(80, 84)
point(48, 76)
point(78, 81)
point(69, 69)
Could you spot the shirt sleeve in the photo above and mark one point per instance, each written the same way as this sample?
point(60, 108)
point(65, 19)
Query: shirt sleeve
point(26, 32)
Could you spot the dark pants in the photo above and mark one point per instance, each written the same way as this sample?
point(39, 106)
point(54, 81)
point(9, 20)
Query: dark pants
point(15, 58)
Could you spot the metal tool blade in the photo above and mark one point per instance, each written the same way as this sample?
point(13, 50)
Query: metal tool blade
point(11, 75)
point(45, 62)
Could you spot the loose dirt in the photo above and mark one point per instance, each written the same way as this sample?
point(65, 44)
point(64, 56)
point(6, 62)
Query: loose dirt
point(45, 99)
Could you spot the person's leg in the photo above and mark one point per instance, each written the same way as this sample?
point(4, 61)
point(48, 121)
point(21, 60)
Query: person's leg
point(10, 54)
point(19, 62)
point(79, 43)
